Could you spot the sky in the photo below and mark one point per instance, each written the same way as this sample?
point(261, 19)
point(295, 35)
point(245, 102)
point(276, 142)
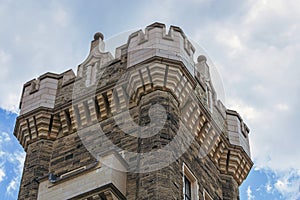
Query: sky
point(254, 44)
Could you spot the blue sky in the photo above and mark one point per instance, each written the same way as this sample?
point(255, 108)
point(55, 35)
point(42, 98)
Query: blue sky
point(254, 44)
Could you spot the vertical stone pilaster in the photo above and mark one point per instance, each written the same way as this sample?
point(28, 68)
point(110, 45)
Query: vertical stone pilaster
point(36, 166)
point(157, 184)
point(230, 188)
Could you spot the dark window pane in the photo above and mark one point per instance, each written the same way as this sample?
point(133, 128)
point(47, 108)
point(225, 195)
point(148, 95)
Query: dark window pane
point(187, 186)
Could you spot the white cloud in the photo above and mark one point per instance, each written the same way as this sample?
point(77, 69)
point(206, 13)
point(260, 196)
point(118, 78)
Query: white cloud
point(288, 184)
point(282, 107)
point(268, 187)
point(249, 193)
point(2, 174)
point(248, 112)
point(231, 40)
point(12, 186)
point(20, 157)
point(4, 137)
point(39, 38)
point(17, 159)
point(61, 17)
point(175, 12)
point(5, 58)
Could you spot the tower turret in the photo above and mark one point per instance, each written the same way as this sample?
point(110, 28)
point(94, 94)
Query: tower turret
point(145, 124)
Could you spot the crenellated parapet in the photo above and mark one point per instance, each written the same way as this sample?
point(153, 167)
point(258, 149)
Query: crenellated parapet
point(40, 92)
point(157, 41)
point(238, 131)
point(38, 117)
point(37, 120)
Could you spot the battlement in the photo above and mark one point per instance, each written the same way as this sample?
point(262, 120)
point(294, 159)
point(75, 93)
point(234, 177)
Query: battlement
point(40, 92)
point(238, 131)
point(156, 41)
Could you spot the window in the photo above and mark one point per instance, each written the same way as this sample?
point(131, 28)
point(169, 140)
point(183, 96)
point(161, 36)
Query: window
point(190, 185)
point(187, 189)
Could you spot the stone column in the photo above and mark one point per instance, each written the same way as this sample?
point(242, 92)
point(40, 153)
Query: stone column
point(230, 188)
point(36, 166)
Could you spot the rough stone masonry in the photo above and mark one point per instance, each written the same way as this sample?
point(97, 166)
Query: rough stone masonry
point(143, 124)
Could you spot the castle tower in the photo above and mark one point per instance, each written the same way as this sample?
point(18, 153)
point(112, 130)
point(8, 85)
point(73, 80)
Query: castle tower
point(143, 124)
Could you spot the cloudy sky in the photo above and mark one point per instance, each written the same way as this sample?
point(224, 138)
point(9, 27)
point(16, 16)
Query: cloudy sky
point(254, 44)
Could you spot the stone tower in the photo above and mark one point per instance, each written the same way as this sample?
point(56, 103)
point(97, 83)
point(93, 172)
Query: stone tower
point(143, 124)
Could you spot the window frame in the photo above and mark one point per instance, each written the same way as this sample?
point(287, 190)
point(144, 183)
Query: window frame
point(187, 174)
point(206, 195)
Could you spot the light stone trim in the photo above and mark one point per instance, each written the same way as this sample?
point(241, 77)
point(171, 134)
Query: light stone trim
point(92, 110)
point(194, 183)
point(36, 126)
point(103, 111)
point(74, 186)
point(238, 165)
point(73, 120)
point(42, 96)
point(63, 118)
